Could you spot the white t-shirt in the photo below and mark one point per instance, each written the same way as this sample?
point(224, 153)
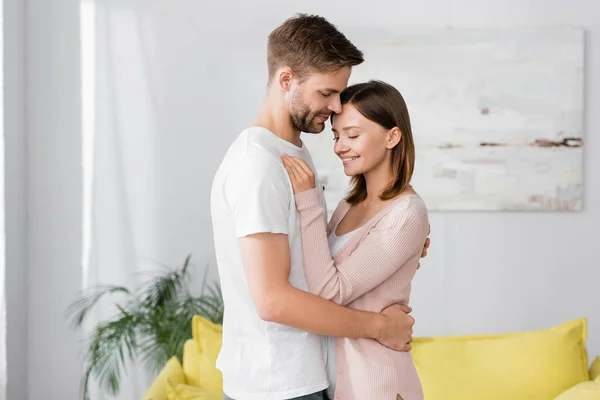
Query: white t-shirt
point(252, 193)
point(335, 245)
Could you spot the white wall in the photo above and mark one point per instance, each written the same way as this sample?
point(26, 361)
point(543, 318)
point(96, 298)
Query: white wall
point(15, 197)
point(487, 272)
point(54, 196)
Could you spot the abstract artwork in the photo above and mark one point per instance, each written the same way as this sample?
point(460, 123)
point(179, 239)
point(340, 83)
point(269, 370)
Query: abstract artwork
point(497, 116)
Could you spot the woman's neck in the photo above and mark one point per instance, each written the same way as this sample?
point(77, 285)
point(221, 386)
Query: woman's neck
point(377, 180)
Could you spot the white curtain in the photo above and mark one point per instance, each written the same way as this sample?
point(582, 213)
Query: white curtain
point(117, 191)
point(139, 214)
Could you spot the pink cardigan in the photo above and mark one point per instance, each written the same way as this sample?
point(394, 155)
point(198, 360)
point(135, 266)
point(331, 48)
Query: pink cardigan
point(372, 271)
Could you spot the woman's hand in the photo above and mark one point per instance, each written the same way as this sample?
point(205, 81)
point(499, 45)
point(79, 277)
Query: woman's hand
point(302, 177)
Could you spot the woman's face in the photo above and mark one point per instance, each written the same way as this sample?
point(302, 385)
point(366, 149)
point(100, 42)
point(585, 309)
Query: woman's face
point(361, 144)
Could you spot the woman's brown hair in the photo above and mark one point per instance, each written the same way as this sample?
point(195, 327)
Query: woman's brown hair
point(383, 104)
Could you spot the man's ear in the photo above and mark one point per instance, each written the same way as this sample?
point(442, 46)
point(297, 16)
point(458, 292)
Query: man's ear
point(394, 137)
point(284, 78)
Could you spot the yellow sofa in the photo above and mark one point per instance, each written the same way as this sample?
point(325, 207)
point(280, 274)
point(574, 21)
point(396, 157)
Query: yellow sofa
point(197, 378)
point(545, 364)
point(535, 365)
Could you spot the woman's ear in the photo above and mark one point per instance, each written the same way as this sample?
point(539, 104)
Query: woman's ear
point(394, 136)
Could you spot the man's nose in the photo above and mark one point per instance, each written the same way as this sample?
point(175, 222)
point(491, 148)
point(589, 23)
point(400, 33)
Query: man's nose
point(336, 105)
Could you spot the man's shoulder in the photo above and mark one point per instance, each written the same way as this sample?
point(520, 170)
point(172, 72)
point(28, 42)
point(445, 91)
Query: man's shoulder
point(260, 162)
point(252, 153)
point(259, 145)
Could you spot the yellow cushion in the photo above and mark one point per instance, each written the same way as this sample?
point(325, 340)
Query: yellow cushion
point(200, 356)
point(187, 392)
point(539, 364)
point(589, 390)
point(595, 369)
point(171, 372)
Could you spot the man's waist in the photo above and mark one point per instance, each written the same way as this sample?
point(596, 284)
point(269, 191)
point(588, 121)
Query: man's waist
point(274, 381)
point(280, 392)
point(272, 353)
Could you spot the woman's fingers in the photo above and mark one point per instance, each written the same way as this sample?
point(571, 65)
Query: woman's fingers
point(297, 171)
point(301, 164)
point(297, 168)
point(288, 167)
point(300, 174)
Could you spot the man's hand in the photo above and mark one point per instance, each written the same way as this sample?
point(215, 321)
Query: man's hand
point(425, 248)
point(266, 259)
point(396, 332)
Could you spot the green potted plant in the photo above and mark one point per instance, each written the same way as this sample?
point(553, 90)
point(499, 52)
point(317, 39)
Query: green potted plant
point(150, 325)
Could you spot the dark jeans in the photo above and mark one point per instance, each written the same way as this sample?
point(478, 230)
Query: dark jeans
point(315, 396)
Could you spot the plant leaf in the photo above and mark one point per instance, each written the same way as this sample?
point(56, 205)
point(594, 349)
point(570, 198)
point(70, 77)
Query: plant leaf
point(105, 357)
point(151, 326)
point(80, 308)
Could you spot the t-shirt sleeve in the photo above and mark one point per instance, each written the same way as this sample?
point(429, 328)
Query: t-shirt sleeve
point(259, 195)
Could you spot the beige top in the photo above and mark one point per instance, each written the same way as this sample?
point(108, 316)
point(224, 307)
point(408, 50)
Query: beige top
point(372, 271)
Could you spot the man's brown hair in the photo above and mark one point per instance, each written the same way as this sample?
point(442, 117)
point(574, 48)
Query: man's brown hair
point(310, 43)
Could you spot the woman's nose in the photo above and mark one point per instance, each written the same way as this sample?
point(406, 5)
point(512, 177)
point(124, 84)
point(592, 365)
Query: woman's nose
point(340, 146)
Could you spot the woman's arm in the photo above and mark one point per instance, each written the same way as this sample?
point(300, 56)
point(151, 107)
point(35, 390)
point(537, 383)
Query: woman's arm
point(397, 238)
point(400, 236)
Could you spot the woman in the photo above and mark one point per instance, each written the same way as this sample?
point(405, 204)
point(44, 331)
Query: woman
point(367, 255)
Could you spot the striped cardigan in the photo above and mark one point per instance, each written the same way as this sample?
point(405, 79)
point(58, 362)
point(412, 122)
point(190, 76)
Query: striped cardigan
point(373, 270)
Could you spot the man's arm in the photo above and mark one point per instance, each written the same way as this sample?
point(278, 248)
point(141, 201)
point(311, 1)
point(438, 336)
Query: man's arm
point(266, 259)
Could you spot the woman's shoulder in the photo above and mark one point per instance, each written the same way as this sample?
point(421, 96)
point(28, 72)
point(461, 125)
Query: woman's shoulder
point(412, 201)
point(411, 206)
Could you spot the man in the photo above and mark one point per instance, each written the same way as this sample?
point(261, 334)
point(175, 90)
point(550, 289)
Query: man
point(273, 346)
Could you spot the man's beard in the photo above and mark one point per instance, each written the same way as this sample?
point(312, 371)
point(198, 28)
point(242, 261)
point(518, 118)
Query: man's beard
point(303, 119)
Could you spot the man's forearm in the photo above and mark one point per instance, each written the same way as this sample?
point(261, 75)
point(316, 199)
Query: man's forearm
point(306, 311)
